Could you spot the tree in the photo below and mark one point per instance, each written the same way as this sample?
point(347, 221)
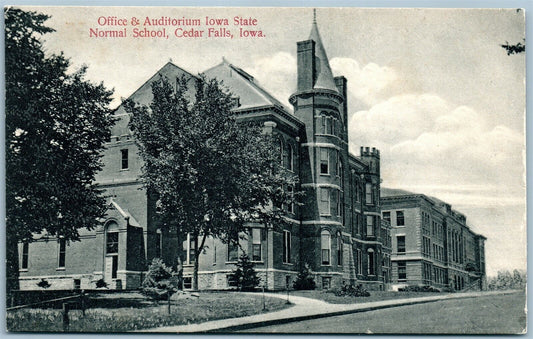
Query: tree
point(56, 127)
point(245, 275)
point(212, 174)
point(158, 282)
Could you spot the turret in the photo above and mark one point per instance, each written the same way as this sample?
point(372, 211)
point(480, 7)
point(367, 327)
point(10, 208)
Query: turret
point(371, 156)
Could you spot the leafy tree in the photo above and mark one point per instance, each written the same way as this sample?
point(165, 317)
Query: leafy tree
point(56, 126)
point(158, 282)
point(304, 280)
point(245, 275)
point(212, 174)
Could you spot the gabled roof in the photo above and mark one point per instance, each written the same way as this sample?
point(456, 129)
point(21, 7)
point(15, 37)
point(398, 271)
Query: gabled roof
point(324, 77)
point(244, 86)
point(124, 213)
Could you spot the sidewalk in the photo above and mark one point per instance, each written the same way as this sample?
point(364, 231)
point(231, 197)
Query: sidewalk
point(305, 309)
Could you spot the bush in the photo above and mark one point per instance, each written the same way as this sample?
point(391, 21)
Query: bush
point(416, 288)
point(351, 291)
point(245, 275)
point(101, 283)
point(158, 283)
point(304, 281)
point(43, 283)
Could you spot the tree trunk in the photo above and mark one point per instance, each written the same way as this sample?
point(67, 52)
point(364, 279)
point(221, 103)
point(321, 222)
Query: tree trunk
point(12, 263)
point(197, 251)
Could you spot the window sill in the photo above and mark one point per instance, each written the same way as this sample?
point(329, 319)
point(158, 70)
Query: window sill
point(325, 174)
point(23, 270)
point(231, 262)
point(124, 169)
point(288, 263)
point(326, 265)
point(60, 269)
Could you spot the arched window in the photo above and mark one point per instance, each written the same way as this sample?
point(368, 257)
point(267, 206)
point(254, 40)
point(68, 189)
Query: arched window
point(326, 247)
point(370, 262)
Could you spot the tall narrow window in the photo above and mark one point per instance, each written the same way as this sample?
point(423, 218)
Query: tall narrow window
point(158, 243)
point(339, 249)
point(112, 243)
point(290, 204)
point(25, 253)
point(400, 221)
point(256, 244)
point(233, 249)
point(324, 201)
point(400, 243)
point(62, 248)
point(286, 247)
point(368, 194)
point(402, 271)
point(326, 247)
point(323, 129)
point(324, 161)
point(371, 270)
point(290, 160)
point(370, 225)
point(359, 262)
point(124, 159)
point(190, 247)
point(111, 259)
point(339, 203)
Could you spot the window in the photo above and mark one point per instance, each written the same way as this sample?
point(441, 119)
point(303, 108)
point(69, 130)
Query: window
point(402, 271)
point(370, 262)
point(189, 246)
point(329, 127)
point(324, 161)
point(386, 216)
point(290, 160)
point(324, 201)
point(112, 243)
point(286, 247)
point(368, 194)
point(25, 252)
point(187, 283)
point(233, 250)
point(62, 252)
point(359, 262)
point(114, 267)
point(158, 243)
point(124, 159)
point(77, 284)
point(369, 225)
point(339, 249)
point(400, 243)
point(256, 244)
point(326, 247)
point(339, 203)
point(290, 205)
point(323, 124)
point(400, 221)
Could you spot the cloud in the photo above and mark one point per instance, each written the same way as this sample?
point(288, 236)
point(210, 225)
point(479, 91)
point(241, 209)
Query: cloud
point(365, 83)
point(425, 140)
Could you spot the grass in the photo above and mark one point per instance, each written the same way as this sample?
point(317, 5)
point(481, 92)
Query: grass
point(130, 312)
point(330, 297)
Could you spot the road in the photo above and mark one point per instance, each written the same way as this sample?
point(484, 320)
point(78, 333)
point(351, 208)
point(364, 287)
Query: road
point(501, 314)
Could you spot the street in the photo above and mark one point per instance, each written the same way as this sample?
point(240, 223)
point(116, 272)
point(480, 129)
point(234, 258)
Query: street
point(501, 314)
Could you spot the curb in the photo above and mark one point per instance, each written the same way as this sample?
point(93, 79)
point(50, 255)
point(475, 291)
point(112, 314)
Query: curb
point(245, 326)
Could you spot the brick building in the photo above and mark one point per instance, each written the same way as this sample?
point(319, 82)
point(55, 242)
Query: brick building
point(431, 243)
point(337, 230)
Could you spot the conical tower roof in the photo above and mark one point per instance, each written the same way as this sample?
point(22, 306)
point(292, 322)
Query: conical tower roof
point(324, 76)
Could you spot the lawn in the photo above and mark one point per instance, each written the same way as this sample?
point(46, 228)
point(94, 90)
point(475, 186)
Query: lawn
point(330, 297)
point(132, 311)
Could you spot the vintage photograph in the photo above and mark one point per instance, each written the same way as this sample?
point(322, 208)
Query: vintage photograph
point(265, 170)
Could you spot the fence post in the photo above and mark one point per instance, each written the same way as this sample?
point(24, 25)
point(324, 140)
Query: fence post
point(82, 301)
point(168, 297)
point(66, 307)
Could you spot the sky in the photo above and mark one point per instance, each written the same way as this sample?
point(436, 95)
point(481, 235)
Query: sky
point(431, 88)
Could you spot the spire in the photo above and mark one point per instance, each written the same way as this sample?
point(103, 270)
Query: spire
point(324, 76)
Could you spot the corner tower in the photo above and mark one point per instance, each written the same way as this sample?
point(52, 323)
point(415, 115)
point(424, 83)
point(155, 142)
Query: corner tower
point(319, 102)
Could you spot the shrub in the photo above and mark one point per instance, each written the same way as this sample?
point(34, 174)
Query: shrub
point(158, 283)
point(101, 283)
point(416, 288)
point(43, 283)
point(245, 275)
point(304, 281)
point(351, 291)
